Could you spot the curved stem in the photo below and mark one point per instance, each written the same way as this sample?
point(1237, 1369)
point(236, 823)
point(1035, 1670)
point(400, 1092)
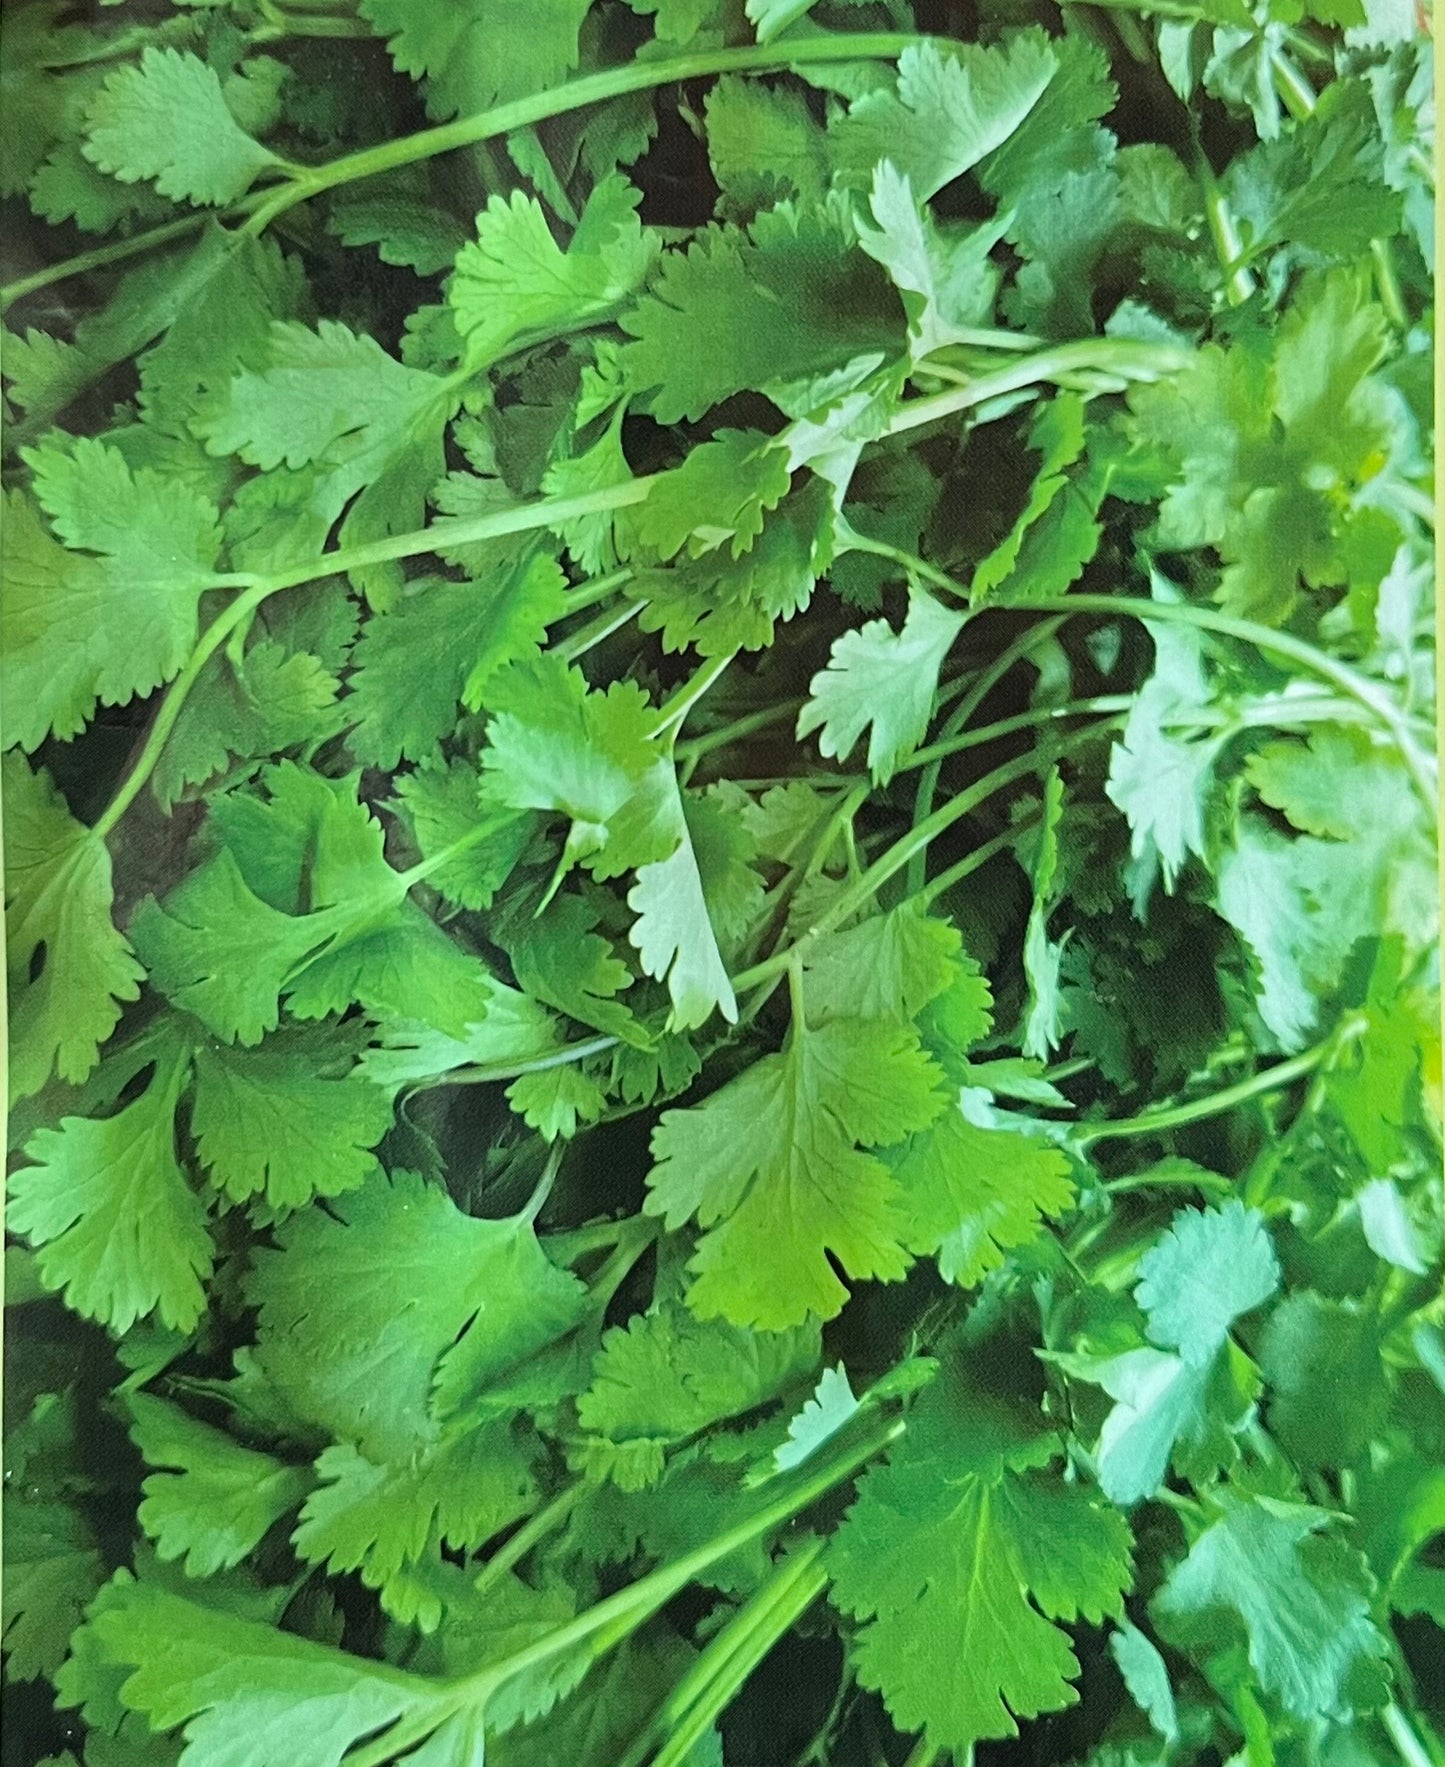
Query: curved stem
point(492, 1073)
point(1268, 1080)
point(103, 256)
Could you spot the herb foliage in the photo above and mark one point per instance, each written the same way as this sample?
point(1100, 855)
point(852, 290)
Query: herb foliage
point(720, 864)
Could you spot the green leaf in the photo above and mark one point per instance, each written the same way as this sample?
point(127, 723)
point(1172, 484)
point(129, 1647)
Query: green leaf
point(831, 1406)
point(440, 644)
point(1298, 1595)
point(1146, 1676)
point(749, 310)
point(119, 1228)
point(774, 1169)
point(1209, 1268)
point(382, 1520)
point(289, 1120)
point(53, 1566)
point(367, 1309)
point(514, 285)
point(972, 1193)
point(947, 112)
point(1313, 1344)
point(669, 1376)
point(166, 119)
point(885, 680)
point(58, 914)
point(717, 497)
point(134, 540)
point(957, 1566)
point(479, 52)
point(213, 1499)
point(889, 966)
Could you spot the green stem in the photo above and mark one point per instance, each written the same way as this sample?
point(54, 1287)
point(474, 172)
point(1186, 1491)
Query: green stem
point(101, 257)
point(1295, 91)
point(848, 901)
point(1228, 246)
point(1136, 361)
point(597, 631)
point(522, 113)
point(530, 1534)
point(671, 715)
point(636, 1604)
point(1258, 1085)
point(492, 1073)
point(696, 747)
point(958, 719)
point(976, 860)
point(721, 1670)
point(1408, 1745)
point(986, 733)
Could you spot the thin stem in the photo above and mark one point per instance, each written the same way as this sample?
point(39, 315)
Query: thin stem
point(976, 860)
point(1228, 245)
point(1258, 1085)
point(530, 1534)
point(637, 1603)
point(1139, 361)
point(923, 1754)
point(597, 631)
point(491, 1073)
point(1408, 1744)
point(101, 257)
point(986, 733)
point(721, 1670)
point(848, 901)
point(672, 714)
point(696, 747)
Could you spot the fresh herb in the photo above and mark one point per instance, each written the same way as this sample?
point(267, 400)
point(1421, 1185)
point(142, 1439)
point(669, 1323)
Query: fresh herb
point(721, 885)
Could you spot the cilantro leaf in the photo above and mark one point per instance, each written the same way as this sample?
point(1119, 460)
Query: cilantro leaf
point(947, 113)
point(166, 119)
point(480, 52)
point(884, 679)
point(957, 1563)
point(1299, 1596)
point(774, 1169)
point(58, 908)
point(669, 1376)
point(119, 1228)
point(212, 1499)
point(282, 1122)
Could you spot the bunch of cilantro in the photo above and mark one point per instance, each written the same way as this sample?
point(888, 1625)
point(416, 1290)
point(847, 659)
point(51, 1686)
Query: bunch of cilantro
point(721, 893)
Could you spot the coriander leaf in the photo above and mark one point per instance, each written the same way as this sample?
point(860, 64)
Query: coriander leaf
point(216, 949)
point(971, 1193)
point(365, 1309)
point(1299, 1596)
point(763, 144)
point(514, 284)
point(53, 1565)
point(58, 908)
point(381, 1520)
point(245, 1689)
point(1059, 437)
point(282, 1121)
point(944, 276)
point(1158, 775)
point(118, 1226)
point(1146, 1675)
point(561, 960)
point(515, 1029)
point(553, 744)
point(1312, 1344)
point(737, 311)
point(339, 403)
point(441, 643)
point(166, 119)
point(889, 966)
point(947, 113)
point(1042, 955)
point(831, 1406)
point(668, 1376)
point(774, 1169)
point(214, 1499)
point(718, 496)
point(1209, 1268)
point(442, 807)
point(956, 1568)
point(134, 540)
point(476, 53)
point(673, 933)
point(556, 1100)
point(885, 679)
